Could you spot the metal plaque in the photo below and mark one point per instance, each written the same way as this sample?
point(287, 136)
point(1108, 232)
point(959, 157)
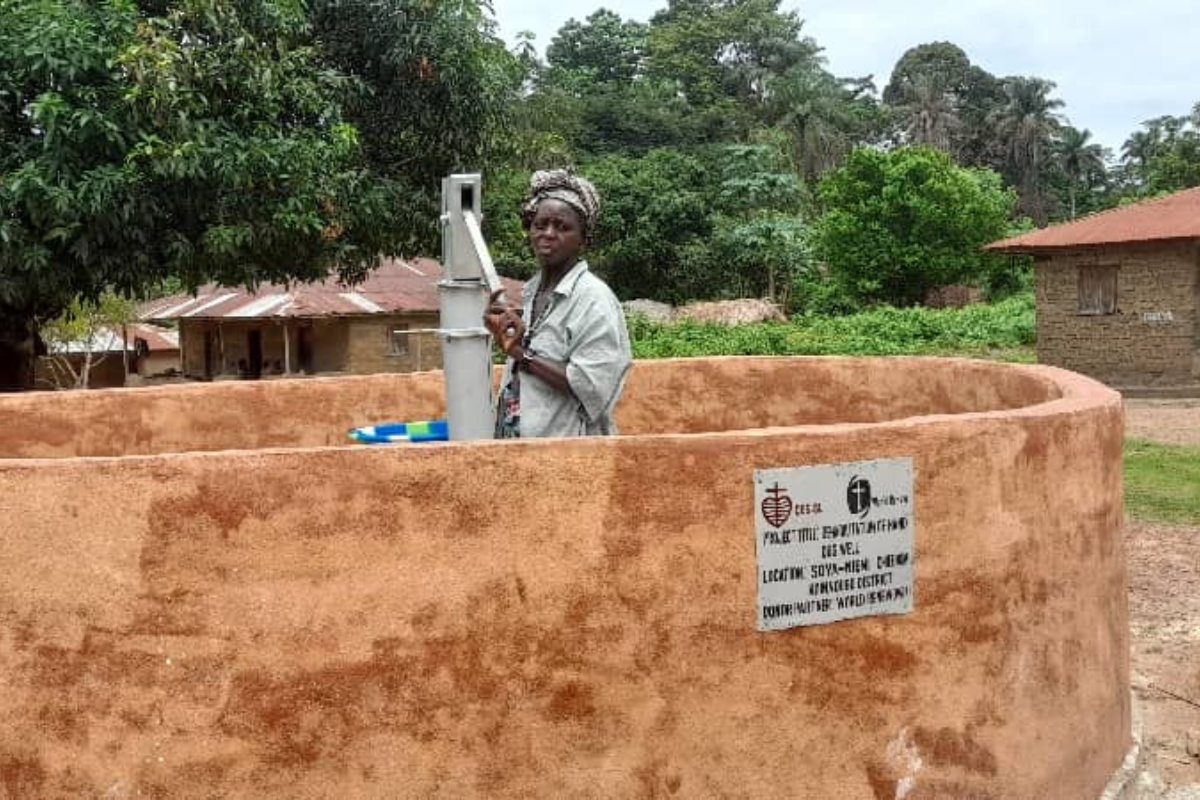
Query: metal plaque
point(834, 541)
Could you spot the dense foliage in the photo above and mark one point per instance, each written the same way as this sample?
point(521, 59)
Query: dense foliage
point(212, 140)
point(435, 88)
point(88, 322)
point(898, 224)
point(643, 106)
point(154, 142)
point(1006, 328)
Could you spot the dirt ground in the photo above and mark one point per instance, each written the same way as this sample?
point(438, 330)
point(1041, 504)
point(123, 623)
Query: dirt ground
point(1164, 607)
point(1166, 421)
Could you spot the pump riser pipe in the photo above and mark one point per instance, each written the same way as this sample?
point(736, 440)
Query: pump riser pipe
point(468, 372)
point(466, 359)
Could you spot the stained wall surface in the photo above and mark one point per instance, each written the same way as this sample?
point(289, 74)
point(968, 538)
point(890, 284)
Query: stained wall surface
point(1152, 339)
point(562, 618)
point(668, 396)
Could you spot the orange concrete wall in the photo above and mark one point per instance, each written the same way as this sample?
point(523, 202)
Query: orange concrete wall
point(573, 618)
point(670, 396)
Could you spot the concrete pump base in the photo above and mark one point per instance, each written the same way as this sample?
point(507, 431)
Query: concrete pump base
point(283, 615)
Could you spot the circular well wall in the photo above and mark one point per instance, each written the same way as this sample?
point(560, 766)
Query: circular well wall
point(284, 614)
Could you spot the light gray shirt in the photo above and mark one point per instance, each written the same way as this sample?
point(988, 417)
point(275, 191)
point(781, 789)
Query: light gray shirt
point(583, 327)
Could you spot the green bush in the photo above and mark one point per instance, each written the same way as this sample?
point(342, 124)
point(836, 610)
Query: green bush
point(1006, 329)
point(899, 223)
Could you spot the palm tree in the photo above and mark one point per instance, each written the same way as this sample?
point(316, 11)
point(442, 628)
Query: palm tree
point(1080, 160)
point(1139, 148)
point(928, 112)
point(1025, 124)
point(814, 108)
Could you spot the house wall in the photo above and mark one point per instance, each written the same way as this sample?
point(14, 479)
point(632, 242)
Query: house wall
point(340, 345)
point(191, 348)
point(369, 344)
point(158, 363)
point(561, 618)
point(1152, 340)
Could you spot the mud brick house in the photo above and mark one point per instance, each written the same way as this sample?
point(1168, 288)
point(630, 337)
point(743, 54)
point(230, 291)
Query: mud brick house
point(387, 323)
point(1118, 293)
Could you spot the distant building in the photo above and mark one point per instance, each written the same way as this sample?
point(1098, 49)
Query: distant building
point(149, 350)
point(1118, 293)
point(387, 323)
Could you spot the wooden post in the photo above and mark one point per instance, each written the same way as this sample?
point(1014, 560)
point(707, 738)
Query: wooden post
point(125, 350)
point(287, 349)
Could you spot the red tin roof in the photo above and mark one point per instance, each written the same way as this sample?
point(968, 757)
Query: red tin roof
point(1175, 216)
point(395, 285)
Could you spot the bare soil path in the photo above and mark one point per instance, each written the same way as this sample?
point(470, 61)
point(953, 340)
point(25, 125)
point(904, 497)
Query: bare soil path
point(1165, 421)
point(1164, 608)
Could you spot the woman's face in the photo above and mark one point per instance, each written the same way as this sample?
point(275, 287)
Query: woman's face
point(556, 234)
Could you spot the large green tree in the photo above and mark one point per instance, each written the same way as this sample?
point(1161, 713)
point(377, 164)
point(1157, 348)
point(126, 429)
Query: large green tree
point(941, 97)
point(943, 63)
point(435, 94)
point(214, 140)
point(1165, 155)
point(1026, 126)
point(205, 143)
point(594, 97)
point(929, 113)
point(605, 47)
point(824, 117)
point(897, 224)
point(724, 56)
point(1082, 163)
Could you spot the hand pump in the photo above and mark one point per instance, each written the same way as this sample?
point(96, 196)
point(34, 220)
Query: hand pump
point(468, 277)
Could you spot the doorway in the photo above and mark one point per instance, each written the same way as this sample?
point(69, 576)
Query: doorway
point(304, 344)
point(254, 347)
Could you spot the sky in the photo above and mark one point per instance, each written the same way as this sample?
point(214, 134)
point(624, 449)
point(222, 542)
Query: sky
point(1115, 65)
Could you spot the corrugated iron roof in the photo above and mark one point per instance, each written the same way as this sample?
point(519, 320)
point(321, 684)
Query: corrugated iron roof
point(109, 340)
point(157, 338)
point(1175, 216)
point(395, 285)
point(1170, 217)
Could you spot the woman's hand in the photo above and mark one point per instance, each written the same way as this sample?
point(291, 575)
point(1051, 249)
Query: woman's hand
point(504, 322)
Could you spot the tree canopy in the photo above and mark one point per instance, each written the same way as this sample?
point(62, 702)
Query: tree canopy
point(240, 141)
point(900, 223)
point(221, 141)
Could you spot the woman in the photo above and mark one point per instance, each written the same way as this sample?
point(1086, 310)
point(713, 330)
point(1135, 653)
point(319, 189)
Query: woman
point(567, 366)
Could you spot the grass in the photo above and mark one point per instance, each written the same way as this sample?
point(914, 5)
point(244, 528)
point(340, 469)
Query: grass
point(1162, 482)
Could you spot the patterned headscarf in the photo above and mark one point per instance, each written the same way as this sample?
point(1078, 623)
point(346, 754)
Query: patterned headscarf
point(564, 185)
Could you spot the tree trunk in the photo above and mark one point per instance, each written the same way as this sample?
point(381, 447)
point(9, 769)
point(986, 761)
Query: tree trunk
point(16, 354)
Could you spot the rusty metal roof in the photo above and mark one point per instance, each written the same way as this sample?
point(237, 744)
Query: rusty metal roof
point(110, 340)
point(158, 339)
point(395, 285)
point(1175, 216)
